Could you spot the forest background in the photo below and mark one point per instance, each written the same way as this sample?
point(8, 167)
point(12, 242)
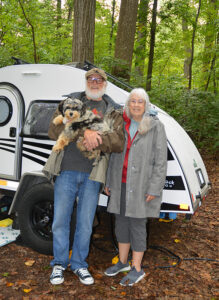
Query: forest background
point(168, 47)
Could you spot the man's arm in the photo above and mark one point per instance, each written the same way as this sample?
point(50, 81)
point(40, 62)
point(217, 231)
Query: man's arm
point(109, 142)
point(114, 142)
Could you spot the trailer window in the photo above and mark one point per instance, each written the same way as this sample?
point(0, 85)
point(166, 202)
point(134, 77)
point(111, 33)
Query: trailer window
point(5, 110)
point(38, 118)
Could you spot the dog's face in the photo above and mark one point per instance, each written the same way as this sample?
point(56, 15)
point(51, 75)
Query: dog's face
point(72, 109)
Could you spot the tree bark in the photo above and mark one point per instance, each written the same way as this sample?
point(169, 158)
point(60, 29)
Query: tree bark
point(212, 66)
point(187, 48)
point(125, 38)
point(112, 25)
point(193, 44)
point(140, 49)
point(210, 42)
point(152, 45)
point(59, 13)
point(83, 30)
point(70, 4)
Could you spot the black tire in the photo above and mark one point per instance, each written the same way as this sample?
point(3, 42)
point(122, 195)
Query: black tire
point(35, 216)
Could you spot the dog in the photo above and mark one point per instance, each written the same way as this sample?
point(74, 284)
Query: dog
point(77, 118)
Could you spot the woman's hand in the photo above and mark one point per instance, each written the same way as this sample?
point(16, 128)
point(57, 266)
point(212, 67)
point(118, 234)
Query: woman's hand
point(149, 198)
point(107, 190)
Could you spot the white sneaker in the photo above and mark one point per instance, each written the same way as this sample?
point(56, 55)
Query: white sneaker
point(84, 276)
point(57, 275)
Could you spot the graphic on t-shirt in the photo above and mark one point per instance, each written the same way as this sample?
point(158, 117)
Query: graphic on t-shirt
point(96, 112)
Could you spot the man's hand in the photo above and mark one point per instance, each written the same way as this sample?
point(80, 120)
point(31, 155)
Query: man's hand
point(92, 139)
point(149, 198)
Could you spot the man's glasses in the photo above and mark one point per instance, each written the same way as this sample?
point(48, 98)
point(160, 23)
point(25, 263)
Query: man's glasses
point(139, 101)
point(92, 79)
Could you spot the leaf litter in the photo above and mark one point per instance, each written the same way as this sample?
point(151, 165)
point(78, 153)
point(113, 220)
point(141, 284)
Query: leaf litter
point(24, 273)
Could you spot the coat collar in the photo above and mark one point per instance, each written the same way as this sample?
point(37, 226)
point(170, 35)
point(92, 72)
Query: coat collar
point(146, 124)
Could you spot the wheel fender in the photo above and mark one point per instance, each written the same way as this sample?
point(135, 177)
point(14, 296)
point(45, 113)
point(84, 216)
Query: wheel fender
point(28, 180)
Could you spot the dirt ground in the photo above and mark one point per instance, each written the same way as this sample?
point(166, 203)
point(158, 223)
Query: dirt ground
point(24, 273)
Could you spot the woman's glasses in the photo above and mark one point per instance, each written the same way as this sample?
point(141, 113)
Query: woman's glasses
point(134, 101)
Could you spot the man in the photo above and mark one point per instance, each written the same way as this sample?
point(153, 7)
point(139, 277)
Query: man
point(74, 181)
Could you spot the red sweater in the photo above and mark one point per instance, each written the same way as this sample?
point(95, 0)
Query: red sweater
point(129, 143)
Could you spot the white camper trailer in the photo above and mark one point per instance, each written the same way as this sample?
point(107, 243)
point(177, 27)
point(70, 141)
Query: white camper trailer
point(29, 94)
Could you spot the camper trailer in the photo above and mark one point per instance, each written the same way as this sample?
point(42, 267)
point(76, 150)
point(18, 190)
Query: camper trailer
point(29, 94)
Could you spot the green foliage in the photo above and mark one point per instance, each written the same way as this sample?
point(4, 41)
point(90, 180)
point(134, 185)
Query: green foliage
point(53, 45)
point(104, 44)
point(196, 111)
point(102, 32)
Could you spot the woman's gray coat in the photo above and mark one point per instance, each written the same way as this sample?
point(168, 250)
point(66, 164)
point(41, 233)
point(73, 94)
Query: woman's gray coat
point(146, 173)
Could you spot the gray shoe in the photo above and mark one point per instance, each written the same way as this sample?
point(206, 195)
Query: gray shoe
point(57, 275)
point(84, 276)
point(119, 267)
point(132, 277)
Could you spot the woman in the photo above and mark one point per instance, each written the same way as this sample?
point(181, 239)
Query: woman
point(135, 180)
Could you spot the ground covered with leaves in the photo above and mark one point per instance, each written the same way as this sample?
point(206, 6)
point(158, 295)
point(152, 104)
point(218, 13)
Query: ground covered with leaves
point(24, 273)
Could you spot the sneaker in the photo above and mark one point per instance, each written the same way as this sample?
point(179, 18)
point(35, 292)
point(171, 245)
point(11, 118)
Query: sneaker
point(132, 277)
point(57, 275)
point(84, 276)
point(119, 267)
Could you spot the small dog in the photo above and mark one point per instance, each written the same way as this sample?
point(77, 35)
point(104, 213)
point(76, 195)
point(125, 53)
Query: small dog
point(77, 118)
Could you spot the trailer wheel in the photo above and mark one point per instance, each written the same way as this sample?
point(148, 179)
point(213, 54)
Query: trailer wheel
point(35, 215)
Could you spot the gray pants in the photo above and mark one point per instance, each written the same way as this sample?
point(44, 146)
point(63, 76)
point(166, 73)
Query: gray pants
point(128, 229)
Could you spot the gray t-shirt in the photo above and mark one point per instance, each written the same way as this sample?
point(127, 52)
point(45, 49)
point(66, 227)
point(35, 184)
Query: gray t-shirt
point(73, 159)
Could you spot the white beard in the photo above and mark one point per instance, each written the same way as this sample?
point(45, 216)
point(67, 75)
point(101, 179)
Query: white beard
point(95, 95)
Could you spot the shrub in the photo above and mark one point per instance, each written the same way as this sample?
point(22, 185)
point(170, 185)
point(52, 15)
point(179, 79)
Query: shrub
point(196, 111)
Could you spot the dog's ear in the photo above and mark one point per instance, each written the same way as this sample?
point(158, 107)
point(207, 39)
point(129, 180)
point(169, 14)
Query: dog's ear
point(60, 107)
point(83, 109)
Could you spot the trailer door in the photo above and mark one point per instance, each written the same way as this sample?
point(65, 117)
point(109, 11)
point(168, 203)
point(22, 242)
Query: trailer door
point(11, 119)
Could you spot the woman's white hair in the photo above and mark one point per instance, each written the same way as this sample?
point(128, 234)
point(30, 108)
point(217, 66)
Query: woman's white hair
point(144, 125)
point(140, 92)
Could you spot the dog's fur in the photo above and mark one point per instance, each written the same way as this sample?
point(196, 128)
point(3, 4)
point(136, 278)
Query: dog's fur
point(77, 118)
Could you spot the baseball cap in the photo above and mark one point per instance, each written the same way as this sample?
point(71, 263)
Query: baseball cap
point(96, 71)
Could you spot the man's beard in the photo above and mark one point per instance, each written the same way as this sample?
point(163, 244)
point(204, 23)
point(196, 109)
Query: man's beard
point(93, 94)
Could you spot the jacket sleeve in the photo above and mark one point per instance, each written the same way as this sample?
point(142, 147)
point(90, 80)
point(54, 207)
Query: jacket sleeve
point(108, 173)
point(157, 180)
point(114, 141)
point(54, 131)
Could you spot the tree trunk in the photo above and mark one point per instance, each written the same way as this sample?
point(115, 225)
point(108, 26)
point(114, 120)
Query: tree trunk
point(2, 33)
point(212, 67)
point(187, 48)
point(152, 45)
point(193, 44)
point(125, 38)
point(210, 45)
point(59, 13)
point(141, 36)
point(83, 31)
point(112, 25)
point(70, 4)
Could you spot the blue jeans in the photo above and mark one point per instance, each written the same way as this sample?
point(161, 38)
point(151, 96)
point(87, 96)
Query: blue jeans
point(69, 185)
